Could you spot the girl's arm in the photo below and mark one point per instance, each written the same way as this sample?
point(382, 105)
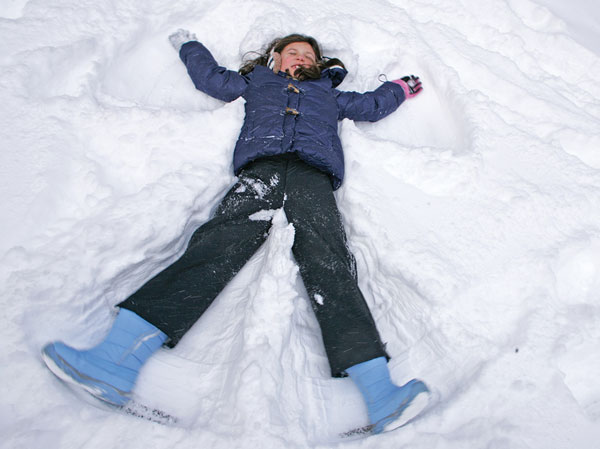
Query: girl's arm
point(208, 76)
point(370, 106)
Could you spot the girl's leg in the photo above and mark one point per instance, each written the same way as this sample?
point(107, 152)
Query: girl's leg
point(328, 269)
point(176, 297)
point(169, 304)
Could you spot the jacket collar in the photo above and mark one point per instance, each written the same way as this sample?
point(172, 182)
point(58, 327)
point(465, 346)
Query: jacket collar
point(336, 74)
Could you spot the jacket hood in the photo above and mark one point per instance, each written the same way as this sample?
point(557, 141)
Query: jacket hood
point(336, 74)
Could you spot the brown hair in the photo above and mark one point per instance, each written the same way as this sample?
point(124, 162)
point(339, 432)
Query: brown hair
point(277, 45)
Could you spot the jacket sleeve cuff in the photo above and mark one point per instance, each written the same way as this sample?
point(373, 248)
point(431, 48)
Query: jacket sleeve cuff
point(396, 89)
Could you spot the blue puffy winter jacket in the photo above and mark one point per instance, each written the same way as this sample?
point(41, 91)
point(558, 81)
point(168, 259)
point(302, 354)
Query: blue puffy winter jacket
point(287, 115)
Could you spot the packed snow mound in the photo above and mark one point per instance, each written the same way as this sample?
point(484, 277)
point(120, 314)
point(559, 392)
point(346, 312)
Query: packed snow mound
point(473, 212)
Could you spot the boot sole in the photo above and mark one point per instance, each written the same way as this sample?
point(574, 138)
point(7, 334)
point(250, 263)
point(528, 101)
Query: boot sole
point(414, 409)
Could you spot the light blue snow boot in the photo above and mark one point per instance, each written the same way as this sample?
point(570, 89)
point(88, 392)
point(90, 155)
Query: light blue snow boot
point(109, 370)
point(389, 406)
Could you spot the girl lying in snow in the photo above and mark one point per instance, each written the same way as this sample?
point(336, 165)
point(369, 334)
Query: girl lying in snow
point(288, 156)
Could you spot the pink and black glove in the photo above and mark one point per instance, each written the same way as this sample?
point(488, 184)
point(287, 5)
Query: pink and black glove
point(411, 85)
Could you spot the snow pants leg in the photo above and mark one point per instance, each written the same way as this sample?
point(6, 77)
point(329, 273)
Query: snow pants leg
point(328, 270)
point(175, 298)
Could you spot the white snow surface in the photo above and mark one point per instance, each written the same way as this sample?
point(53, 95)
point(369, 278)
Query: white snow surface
point(473, 211)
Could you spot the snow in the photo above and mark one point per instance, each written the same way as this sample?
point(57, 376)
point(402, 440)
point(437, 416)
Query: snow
point(473, 212)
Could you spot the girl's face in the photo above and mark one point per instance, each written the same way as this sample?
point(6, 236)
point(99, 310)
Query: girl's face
point(295, 55)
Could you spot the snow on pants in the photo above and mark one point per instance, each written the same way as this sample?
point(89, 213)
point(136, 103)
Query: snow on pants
point(175, 298)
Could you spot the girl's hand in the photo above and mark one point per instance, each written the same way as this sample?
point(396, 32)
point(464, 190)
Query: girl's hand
point(411, 85)
point(180, 37)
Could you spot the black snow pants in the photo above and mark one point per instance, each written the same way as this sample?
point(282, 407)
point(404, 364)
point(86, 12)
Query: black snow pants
point(176, 297)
